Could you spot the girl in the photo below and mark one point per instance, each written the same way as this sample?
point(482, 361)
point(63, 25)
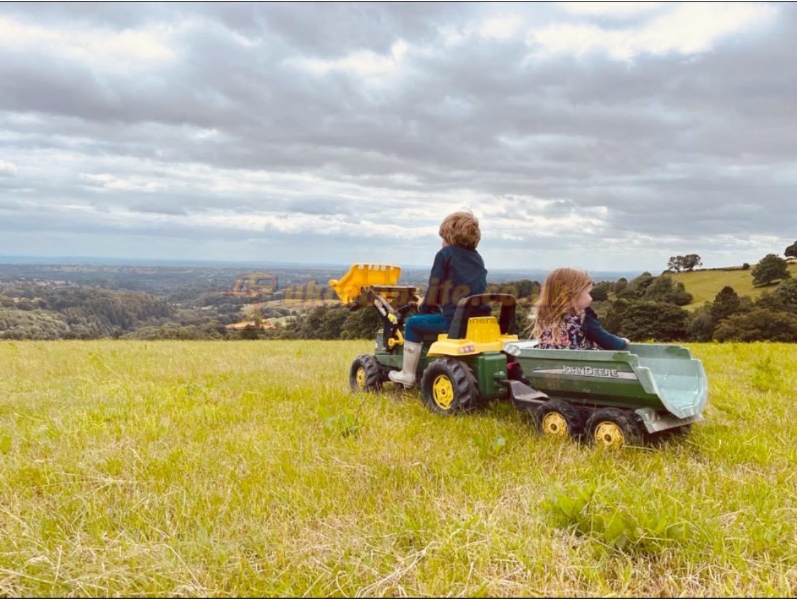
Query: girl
point(458, 271)
point(564, 319)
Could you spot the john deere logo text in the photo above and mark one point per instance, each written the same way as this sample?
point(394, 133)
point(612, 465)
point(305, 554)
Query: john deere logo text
point(588, 372)
point(591, 371)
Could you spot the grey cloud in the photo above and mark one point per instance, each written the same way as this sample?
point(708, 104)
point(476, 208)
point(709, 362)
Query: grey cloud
point(651, 140)
point(157, 207)
point(318, 206)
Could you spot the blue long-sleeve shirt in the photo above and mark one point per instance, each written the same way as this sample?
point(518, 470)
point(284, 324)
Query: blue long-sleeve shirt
point(456, 272)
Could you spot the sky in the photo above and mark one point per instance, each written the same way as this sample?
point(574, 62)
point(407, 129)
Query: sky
point(595, 135)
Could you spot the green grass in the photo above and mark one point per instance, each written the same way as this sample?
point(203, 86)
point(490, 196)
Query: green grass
point(249, 469)
point(705, 285)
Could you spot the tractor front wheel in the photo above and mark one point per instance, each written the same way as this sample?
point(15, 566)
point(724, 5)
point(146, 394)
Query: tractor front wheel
point(449, 387)
point(613, 428)
point(557, 418)
point(365, 374)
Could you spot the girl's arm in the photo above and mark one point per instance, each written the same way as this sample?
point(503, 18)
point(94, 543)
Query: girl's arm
point(597, 334)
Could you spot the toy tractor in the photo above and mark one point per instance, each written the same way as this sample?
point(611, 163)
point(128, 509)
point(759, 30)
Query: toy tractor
point(457, 371)
point(613, 398)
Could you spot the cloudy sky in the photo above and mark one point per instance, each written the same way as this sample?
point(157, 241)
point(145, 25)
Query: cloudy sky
point(605, 136)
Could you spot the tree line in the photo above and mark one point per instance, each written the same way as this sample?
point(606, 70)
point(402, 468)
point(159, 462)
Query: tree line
point(41, 312)
point(646, 308)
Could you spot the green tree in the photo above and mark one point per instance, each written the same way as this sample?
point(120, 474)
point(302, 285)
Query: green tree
point(620, 285)
point(758, 325)
point(665, 289)
point(600, 292)
point(691, 262)
point(726, 302)
point(684, 263)
point(636, 287)
point(791, 250)
point(674, 264)
point(640, 321)
point(701, 325)
point(334, 319)
point(249, 333)
point(786, 295)
point(769, 269)
point(361, 323)
point(613, 320)
point(782, 299)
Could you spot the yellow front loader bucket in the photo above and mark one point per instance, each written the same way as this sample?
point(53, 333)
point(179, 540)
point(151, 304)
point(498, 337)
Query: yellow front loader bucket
point(349, 287)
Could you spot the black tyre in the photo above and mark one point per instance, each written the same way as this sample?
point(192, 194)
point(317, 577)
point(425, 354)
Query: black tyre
point(449, 387)
point(557, 418)
point(365, 374)
point(614, 428)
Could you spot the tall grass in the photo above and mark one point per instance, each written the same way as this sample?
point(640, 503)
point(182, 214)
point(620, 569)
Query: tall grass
point(240, 469)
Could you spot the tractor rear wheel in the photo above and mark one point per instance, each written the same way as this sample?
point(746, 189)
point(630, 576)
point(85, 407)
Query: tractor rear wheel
point(449, 387)
point(557, 418)
point(365, 374)
point(614, 428)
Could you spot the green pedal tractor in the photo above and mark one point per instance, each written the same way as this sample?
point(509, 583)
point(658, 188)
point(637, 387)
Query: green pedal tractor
point(613, 398)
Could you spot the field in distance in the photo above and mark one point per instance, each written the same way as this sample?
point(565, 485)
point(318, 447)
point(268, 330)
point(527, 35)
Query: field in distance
point(705, 285)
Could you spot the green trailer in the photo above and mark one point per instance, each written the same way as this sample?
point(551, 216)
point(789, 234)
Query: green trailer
point(613, 397)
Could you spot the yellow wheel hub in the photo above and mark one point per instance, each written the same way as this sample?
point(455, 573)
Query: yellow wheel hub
point(443, 392)
point(609, 434)
point(361, 377)
point(554, 423)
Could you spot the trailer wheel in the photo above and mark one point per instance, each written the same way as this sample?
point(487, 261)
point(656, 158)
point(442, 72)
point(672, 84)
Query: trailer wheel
point(365, 375)
point(449, 387)
point(613, 428)
point(557, 418)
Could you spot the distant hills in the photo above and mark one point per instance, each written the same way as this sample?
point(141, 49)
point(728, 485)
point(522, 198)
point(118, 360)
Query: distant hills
point(703, 284)
point(409, 272)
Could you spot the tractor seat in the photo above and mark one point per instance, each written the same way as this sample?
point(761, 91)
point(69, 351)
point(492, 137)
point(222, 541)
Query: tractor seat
point(471, 308)
point(474, 329)
point(482, 330)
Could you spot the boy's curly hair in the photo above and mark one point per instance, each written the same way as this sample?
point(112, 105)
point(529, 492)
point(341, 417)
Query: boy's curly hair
point(461, 229)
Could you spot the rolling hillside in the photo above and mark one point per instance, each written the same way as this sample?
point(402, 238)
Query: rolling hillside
point(704, 285)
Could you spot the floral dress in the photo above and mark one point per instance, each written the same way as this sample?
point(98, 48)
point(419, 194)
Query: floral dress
point(571, 336)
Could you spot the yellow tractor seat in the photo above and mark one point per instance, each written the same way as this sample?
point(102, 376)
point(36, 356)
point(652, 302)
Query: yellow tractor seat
point(473, 332)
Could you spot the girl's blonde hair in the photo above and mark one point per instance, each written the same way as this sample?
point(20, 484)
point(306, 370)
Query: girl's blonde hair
point(461, 229)
point(557, 295)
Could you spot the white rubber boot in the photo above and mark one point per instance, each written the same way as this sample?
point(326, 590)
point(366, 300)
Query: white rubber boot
point(412, 354)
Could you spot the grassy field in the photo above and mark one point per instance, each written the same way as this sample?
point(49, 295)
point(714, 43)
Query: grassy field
point(249, 469)
point(704, 285)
